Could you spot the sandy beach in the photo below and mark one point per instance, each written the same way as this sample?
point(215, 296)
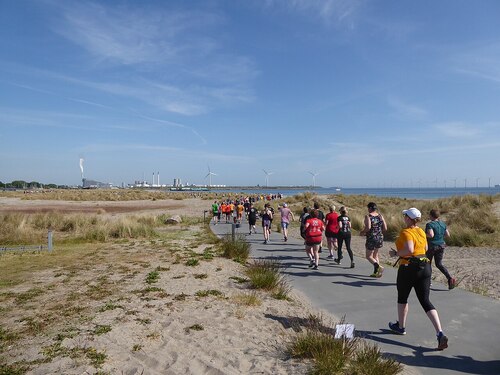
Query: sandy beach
point(80, 310)
point(98, 311)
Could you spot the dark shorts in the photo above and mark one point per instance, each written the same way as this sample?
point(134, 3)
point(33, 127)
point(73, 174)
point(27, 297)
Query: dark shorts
point(312, 243)
point(252, 222)
point(374, 244)
point(331, 234)
point(266, 223)
point(436, 248)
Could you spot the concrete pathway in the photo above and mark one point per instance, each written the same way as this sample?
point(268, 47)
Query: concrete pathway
point(471, 321)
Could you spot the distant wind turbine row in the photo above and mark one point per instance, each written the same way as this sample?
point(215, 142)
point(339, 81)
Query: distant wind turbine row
point(267, 173)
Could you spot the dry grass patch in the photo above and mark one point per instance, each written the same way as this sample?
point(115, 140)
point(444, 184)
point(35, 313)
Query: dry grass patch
point(247, 299)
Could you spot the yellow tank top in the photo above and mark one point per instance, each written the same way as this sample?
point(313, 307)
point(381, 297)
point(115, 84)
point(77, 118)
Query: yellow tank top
point(417, 236)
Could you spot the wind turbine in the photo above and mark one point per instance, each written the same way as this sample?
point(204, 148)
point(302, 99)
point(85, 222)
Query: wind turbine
point(267, 176)
point(209, 175)
point(314, 178)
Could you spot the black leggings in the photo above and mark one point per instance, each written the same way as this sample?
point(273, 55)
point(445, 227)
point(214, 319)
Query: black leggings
point(416, 276)
point(437, 252)
point(344, 237)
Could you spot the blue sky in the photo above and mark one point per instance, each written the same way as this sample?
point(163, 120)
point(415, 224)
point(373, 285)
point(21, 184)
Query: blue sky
point(362, 93)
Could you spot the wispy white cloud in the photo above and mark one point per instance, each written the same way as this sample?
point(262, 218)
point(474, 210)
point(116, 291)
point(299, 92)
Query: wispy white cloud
point(202, 156)
point(50, 119)
point(335, 12)
point(89, 103)
point(131, 35)
point(172, 59)
point(175, 124)
point(406, 110)
point(479, 61)
point(457, 129)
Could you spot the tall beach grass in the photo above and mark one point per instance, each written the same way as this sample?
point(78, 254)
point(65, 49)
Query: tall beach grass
point(29, 229)
point(473, 220)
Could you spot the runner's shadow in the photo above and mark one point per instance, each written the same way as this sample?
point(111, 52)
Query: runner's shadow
point(460, 363)
point(363, 281)
point(297, 324)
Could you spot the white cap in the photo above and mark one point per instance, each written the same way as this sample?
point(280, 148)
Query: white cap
point(412, 213)
point(285, 205)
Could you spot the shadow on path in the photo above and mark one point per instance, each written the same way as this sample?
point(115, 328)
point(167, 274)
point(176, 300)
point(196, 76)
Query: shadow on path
point(460, 363)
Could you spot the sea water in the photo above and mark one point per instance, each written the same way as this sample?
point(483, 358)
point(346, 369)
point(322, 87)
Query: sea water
point(410, 193)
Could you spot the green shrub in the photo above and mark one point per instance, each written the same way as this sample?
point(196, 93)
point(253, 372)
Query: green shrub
point(193, 262)
point(152, 277)
point(238, 250)
point(265, 274)
point(209, 292)
point(369, 360)
point(101, 329)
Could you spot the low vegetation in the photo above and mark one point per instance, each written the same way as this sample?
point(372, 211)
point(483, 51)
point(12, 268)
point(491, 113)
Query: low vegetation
point(338, 356)
point(265, 274)
point(26, 229)
point(472, 219)
point(238, 250)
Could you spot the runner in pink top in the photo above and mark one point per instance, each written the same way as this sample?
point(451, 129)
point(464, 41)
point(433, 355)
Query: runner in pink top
point(286, 216)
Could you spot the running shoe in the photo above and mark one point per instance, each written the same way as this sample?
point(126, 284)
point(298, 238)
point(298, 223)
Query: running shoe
point(352, 264)
point(442, 341)
point(311, 263)
point(329, 257)
point(336, 260)
point(452, 283)
point(286, 239)
point(395, 328)
point(375, 274)
point(380, 271)
point(315, 267)
point(265, 242)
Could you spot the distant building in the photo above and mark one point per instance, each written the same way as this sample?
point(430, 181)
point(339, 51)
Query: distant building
point(91, 184)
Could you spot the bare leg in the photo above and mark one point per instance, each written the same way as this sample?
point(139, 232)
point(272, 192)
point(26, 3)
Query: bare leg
point(402, 314)
point(330, 245)
point(316, 254)
point(369, 256)
point(434, 317)
point(310, 253)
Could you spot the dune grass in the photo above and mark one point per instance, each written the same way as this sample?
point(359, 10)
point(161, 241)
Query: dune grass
point(338, 356)
point(238, 250)
point(248, 299)
point(471, 219)
point(31, 229)
point(265, 274)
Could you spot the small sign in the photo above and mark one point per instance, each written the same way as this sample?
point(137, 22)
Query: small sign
point(344, 330)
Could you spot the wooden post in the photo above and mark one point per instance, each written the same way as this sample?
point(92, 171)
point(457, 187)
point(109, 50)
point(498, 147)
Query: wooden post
point(49, 240)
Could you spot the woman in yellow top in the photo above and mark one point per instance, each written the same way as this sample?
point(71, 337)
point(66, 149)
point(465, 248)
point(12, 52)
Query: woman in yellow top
point(414, 272)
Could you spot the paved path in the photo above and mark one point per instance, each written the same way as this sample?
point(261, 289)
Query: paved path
point(471, 321)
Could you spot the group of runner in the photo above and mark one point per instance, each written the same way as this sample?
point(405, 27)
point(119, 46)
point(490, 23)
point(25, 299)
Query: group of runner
point(337, 229)
point(229, 210)
point(415, 248)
